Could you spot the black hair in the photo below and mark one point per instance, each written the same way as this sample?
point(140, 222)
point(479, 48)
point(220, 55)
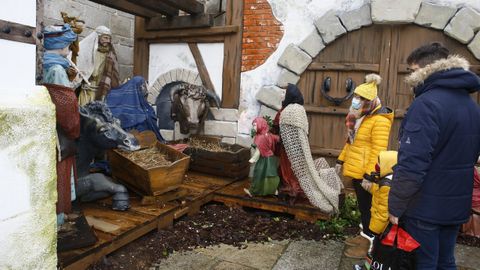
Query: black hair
point(428, 54)
point(292, 96)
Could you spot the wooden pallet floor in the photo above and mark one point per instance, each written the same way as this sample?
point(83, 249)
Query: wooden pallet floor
point(115, 229)
point(234, 196)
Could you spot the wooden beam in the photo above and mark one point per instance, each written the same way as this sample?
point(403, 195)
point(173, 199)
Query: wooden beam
point(189, 6)
point(39, 50)
point(232, 62)
point(141, 51)
point(17, 32)
point(344, 67)
point(202, 69)
point(179, 22)
point(188, 33)
point(156, 6)
point(325, 152)
point(326, 110)
point(128, 7)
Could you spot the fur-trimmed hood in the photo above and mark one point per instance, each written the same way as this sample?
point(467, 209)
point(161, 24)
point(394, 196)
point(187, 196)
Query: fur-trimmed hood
point(419, 76)
point(451, 73)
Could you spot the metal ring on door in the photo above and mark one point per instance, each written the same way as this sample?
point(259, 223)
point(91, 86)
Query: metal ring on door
point(349, 85)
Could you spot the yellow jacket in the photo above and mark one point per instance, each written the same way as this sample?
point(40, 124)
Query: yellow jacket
point(360, 157)
point(380, 190)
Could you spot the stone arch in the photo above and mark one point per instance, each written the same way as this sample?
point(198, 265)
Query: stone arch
point(462, 24)
point(174, 75)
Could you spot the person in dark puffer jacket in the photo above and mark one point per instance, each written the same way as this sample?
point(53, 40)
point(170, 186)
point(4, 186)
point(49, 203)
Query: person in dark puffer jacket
point(439, 137)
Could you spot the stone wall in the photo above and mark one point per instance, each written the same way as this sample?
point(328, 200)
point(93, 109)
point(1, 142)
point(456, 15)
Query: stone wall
point(121, 24)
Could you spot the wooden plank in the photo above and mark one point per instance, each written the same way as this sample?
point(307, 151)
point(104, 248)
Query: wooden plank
point(234, 195)
point(188, 33)
point(326, 110)
point(316, 66)
point(232, 62)
point(189, 6)
point(17, 32)
point(403, 68)
point(201, 39)
point(179, 22)
point(156, 6)
point(128, 7)
point(202, 68)
point(101, 225)
point(141, 51)
point(325, 152)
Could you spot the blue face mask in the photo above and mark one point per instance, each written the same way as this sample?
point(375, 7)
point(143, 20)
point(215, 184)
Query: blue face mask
point(356, 103)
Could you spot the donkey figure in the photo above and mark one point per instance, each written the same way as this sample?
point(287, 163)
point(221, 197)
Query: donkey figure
point(100, 131)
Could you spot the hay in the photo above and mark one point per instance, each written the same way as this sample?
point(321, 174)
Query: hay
point(198, 143)
point(147, 158)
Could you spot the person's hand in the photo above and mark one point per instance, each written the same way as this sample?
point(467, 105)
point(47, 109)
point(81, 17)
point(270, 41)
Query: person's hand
point(366, 184)
point(393, 219)
point(71, 73)
point(338, 168)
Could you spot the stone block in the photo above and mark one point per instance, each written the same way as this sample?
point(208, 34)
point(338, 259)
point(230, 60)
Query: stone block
point(394, 11)
point(173, 75)
point(312, 44)
point(125, 72)
point(294, 59)
point(285, 77)
point(191, 77)
point(221, 114)
point(121, 25)
point(228, 140)
point(357, 18)
point(124, 54)
point(95, 17)
point(167, 134)
point(198, 80)
point(271, 96)
point(474, 46)
point(125, 41)
point(329, 27)
point(463, 25)
point(52, 9)
point(220, 128)
point(244, 140)
point(266, 111)
point(434, 16)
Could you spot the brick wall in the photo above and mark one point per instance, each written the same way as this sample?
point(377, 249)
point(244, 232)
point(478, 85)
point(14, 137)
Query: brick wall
point(120, 23)
point(261, 33)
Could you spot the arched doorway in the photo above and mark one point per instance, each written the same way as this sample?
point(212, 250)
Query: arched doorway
point(379, 49)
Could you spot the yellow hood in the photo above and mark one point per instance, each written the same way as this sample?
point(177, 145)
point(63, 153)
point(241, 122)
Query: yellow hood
point(386, 161)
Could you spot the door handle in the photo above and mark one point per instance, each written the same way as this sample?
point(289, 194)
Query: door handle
point(349, 87)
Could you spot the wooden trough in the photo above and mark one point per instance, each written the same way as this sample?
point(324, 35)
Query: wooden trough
point(232, 163)
point(150, 181)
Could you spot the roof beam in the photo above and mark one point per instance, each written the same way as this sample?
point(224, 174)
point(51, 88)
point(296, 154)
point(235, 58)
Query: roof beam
point(157, 6)
point(189, 6)
point(128, 7)
point(179, 22)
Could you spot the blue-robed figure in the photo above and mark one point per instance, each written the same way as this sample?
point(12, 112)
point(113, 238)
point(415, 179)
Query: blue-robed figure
point(128, 103)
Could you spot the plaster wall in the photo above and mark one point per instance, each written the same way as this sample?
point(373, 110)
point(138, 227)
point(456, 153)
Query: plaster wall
point(27, 179)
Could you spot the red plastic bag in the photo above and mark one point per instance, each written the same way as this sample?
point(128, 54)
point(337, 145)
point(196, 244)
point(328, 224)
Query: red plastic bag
point(394, 250)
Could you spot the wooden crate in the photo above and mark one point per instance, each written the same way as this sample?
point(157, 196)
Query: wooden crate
point(154, 181)
point(233, 164)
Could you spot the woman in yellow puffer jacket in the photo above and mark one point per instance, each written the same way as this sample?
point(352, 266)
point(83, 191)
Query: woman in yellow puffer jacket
point(368, 126)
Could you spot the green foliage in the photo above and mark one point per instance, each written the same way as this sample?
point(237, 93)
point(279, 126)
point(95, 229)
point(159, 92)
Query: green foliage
point(349, 216)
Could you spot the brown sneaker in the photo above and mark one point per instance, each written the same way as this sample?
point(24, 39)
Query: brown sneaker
point(356, 252)
point(357, 241)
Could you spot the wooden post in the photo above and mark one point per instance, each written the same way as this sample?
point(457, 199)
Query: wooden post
point(232, 62)
point(141, 50)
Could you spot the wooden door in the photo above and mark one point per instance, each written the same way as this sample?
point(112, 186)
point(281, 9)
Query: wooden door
point(381, 49)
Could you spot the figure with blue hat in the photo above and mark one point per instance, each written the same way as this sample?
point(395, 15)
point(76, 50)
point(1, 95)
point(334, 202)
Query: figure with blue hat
point(57, 75)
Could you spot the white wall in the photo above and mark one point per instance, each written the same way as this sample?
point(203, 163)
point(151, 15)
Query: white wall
point(165, 57)
point(297, 17)
point(27, 180)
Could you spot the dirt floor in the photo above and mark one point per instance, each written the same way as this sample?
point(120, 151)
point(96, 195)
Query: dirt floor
point(217, 224)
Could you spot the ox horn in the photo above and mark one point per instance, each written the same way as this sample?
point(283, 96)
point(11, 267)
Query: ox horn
point(213, 96)
point(175, 89)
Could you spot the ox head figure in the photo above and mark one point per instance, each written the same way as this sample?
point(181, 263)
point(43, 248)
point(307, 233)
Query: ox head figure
point(101, 129)
point(190, 104)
